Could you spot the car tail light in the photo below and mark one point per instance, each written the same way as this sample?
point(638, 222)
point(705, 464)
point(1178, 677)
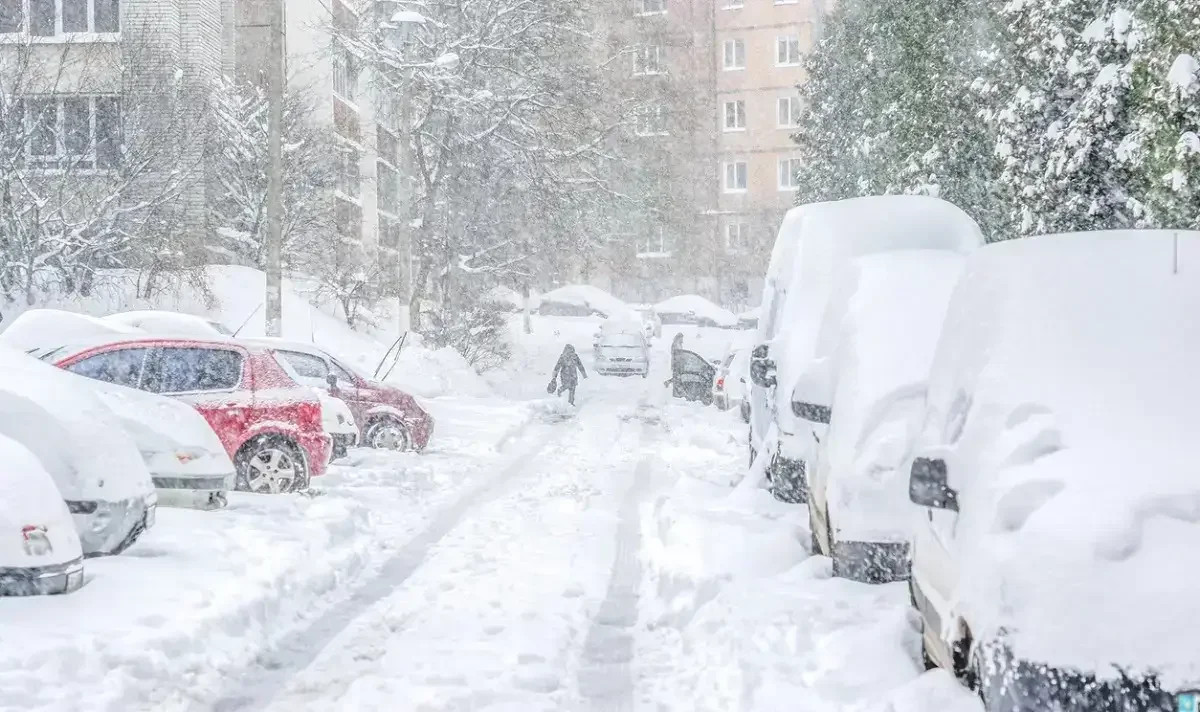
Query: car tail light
point(720, 383)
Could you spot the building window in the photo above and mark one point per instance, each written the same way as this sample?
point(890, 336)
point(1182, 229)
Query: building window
point(787, 51)
point(345, 75)
point(349, 178)
point(387, 146)
point(789, 172)
point(344, 20)
point(348, 219)
point(389, 232)
point(652, 7)
point(652, 121)
point(345, 121)
point(735, 54)
point(648, 60)
point(789, 112)
point(48, 18)
point(735, 115)
point(387, 188)
point(733, 5)
point(737, 236)
point(81, 132)
point(735, 177)
point(787, 2)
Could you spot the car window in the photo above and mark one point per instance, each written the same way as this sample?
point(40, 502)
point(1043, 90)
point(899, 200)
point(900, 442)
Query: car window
point(306, 365)
point(184, 370)
point(690, 362)
point(122, 367)
point(342, 373)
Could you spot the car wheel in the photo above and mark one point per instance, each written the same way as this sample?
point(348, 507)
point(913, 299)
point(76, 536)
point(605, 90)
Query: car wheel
point(388, 434)
point(271, 465)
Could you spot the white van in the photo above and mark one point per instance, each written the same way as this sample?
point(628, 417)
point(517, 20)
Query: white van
point(814, 241)
point(1054, 554)
point(883, 322)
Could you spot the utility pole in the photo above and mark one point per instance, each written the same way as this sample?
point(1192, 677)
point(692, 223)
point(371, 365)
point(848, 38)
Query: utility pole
point(407, 211)
point(275, 89)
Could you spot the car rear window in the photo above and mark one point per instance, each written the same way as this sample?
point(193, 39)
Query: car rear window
point(184, 370)
point(122, 367)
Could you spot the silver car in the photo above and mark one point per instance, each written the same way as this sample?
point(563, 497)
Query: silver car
point(623, 353)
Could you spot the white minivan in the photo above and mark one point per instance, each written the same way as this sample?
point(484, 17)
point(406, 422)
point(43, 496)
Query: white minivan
point(1056, 551)
point(813, 243)
point(879, 333)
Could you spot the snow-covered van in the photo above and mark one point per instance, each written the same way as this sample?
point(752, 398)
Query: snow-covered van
point(39, 547)
point(813, 243)
point(883, 321)
point(94, 462)
point(1055, 551)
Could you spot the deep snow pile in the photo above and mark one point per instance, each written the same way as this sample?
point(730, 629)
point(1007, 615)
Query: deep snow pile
point(737, 618)
point(582, 296)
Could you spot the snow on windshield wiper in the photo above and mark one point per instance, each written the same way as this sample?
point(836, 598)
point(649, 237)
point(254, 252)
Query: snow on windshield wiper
point(48, 354)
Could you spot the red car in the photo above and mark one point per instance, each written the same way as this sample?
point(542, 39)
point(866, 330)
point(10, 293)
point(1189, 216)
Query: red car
point(387, 417)
point(269, 424)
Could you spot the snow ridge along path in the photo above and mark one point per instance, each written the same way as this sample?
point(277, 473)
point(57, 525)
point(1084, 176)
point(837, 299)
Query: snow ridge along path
point(295, 651)
point(606, 678)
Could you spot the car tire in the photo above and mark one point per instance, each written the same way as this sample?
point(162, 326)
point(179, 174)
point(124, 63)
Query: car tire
point(387, 434)
point(263, 463)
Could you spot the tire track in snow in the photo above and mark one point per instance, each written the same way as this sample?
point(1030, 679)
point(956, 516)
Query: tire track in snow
point(605, 678)
point(293, 653)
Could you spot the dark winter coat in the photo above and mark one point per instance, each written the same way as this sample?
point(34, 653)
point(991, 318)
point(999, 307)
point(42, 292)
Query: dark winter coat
point(565, 369)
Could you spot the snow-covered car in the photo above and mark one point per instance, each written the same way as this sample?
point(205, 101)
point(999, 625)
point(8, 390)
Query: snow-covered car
point(269, 424)
point(883, 322)
point(579, 300)
point(1055, 463)
point(94, 463)
point(694, 309)
point(168, 323)
point(188, 464)
point(40, 552)
point(729, 385)
point(387, 417)
point(813, 243)
point(622, 353)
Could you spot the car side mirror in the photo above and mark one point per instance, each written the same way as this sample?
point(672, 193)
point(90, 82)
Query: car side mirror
point(762, 368)
point(928, 485)
point(331, 379)
point(812, 412)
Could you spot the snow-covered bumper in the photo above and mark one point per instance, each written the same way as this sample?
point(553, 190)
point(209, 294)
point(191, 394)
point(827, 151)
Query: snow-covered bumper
point(870, 561)
point(622, 366)
point(107, 528)
point(41, 580)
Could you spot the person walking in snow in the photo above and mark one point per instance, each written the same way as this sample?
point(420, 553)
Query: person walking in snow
point(676, 345)
point(565, 373)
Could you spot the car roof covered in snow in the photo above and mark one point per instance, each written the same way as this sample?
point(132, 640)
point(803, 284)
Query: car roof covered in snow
point(1062, 398)
point(697, 306)
point(585, 295)
point(54, 334)
point(172, 323)
point(78, 439)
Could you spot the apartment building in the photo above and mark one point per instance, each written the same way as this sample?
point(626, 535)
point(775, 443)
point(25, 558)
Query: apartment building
point(356, 108)
point(93, 89)
point(733, 67)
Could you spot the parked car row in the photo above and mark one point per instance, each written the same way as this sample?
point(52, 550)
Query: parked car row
point(120, 414)
point(1008, 427)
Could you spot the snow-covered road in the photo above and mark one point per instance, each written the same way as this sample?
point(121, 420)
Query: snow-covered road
point(536, 557)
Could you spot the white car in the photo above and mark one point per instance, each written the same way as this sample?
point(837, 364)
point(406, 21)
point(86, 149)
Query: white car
point(188, 464)
point(883, 322)
point(170, 323)
point(622, 353)
point(94, 462)
point(1056, 550)
point(338, 421)
point(39, 547)
point(729, 386)
point(814, 242)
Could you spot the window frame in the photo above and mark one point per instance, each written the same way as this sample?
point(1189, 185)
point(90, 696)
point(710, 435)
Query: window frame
point(792, 171)
point(740, 169)
point(102, 153)
point(23, 26)
point(739, 112)
point(286, 356)
point(783, 46)
point(742, 244)
point(114, 352)
point(642, 67)
point(792, 101)
point(651, 121)
point(736, 43)
point(159, 359)
point(643, 12)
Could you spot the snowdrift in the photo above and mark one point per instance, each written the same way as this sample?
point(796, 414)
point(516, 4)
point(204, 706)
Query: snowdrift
point(579, 300)
point(694, 309)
